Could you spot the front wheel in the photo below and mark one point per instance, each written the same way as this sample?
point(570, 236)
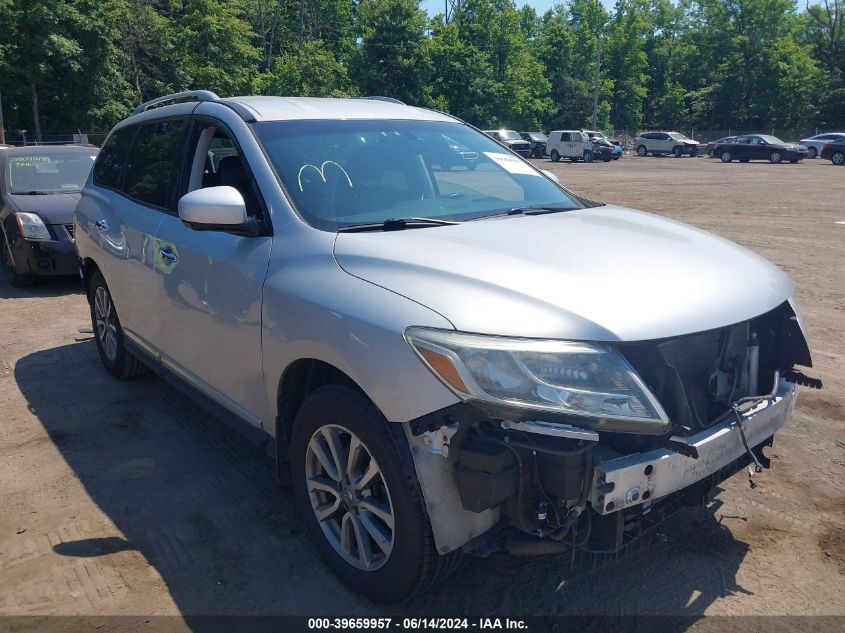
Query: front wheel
point(357, 494)
point(726, 157)
point(555, 156)
point(812, 152)
point(111, 342)
point(13, 277)
point(678, 151)
point(588, 156)
point(775, 157)
point(838, 158)
point(642, 150)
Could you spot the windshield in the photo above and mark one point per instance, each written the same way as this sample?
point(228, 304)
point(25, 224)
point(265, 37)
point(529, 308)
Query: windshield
point(49, 173)
point(677, 137)
point(343, 173)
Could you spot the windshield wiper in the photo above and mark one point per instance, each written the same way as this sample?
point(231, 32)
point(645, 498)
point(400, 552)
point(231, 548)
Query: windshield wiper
point(395, 224)
point(32, 193)
point(529, 210)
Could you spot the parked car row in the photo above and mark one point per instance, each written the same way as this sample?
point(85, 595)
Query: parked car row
point(574, 145)
point(749, 147)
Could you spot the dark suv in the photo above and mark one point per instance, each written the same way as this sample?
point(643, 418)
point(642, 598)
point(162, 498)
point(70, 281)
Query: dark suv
point(39, 189)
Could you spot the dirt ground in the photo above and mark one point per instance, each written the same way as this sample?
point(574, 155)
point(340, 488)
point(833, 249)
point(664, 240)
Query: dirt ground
point(121, 498)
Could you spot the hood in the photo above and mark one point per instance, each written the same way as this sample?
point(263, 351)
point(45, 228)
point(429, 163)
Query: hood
point(54, 208)
point(603, 274)
point(689, 141)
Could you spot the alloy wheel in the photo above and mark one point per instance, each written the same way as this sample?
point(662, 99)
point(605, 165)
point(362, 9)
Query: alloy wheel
point(641, 150)
point(726, 157)
point(349, 497)
point(812, 152)
point(775, 157)
point(838, 158)
point(106, 322)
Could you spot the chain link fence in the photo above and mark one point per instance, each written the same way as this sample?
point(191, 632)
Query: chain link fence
point(17, 137)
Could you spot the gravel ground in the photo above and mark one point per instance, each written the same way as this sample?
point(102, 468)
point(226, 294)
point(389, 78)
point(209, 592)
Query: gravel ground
point(121, 498)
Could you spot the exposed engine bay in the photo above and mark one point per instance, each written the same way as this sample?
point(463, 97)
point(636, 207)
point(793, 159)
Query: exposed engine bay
point(554, 486)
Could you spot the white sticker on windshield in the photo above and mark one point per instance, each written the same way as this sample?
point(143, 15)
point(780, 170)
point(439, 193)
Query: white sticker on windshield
point(511, 163)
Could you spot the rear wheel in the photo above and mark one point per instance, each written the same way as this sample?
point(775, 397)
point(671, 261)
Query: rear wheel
point(838, 158)
point(812, 152)
point(726, 156)
point(15, 279)
point(356, 491)
point(775, 157)
point(555, 156)
point(111, 343)
point(642, 150)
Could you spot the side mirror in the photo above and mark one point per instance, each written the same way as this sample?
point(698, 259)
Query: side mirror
point(550, 175)
point(217, 209)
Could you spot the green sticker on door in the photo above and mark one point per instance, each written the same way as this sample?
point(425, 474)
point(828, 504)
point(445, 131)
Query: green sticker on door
point(166, 256)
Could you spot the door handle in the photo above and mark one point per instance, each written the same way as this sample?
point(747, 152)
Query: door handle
point(166, 253)
point(102, 226)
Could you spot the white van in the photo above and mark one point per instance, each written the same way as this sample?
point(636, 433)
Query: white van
point(571, 144)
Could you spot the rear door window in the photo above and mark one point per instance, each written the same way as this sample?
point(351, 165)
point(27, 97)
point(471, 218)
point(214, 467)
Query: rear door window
point(153, 162)
point(108, 170)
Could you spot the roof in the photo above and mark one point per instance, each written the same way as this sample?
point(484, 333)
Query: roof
point(303, 108)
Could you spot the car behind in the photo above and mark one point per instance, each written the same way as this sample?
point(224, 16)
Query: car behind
point(39, 190)
point(834, 152)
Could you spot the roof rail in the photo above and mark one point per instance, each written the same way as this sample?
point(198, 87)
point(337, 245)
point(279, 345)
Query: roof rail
point(188, 95)
point(380, 98)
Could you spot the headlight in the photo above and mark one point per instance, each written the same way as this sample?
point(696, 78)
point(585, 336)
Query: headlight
point(589, 380)
point(32, 227)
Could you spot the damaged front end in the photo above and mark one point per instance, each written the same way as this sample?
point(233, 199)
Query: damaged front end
point(550, 464)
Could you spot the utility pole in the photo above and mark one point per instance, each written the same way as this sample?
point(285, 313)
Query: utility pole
point(2, 123)
point(596, 84)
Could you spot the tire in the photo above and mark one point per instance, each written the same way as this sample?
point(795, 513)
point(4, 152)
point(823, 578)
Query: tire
point(678, 151)
point(710, 154)
point(607, 159)
point(812, 152)
point(108, 333)
point(642, 150)
point(409, 564)
point(588, 156)
point(555, 156)
point(794, 160)
point(838, 158)
point(775, 157)
point(726, 156)
point(693, 152)
point(13, 277)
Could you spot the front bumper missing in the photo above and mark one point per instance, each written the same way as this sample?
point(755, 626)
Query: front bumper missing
point(631, 480)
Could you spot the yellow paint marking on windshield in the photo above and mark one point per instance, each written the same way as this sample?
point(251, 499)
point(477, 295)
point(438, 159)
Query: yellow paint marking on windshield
point(321, 170)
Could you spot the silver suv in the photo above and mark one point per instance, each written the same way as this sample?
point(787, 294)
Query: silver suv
point(450, 357)
point(665, 143)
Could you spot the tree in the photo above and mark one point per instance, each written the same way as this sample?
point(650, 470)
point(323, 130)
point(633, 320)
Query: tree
point(392, 57)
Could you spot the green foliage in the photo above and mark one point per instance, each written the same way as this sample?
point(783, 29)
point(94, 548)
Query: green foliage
point(82, 64)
